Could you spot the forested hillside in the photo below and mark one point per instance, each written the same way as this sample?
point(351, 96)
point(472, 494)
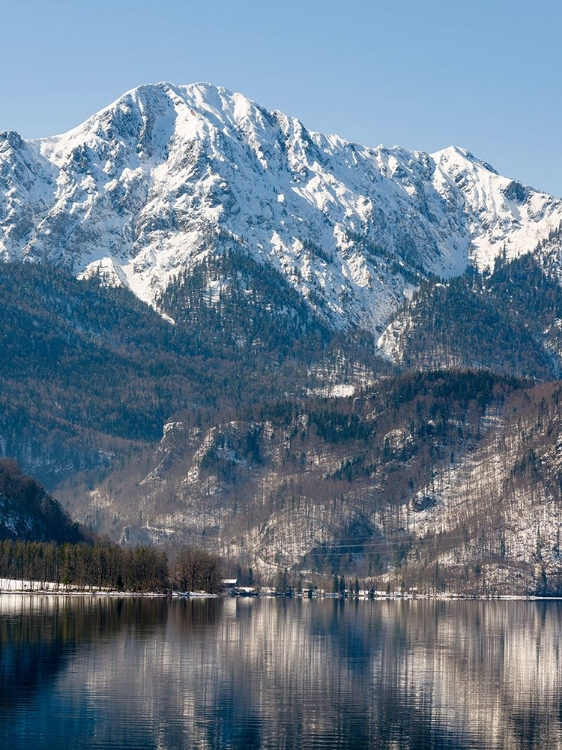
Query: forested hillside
point(507, 321)
point(28, 512)
point(153, 431)
point(457, 470)
point(88, 373)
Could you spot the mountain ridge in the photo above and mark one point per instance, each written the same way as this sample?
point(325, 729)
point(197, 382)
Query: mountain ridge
point(146, 188)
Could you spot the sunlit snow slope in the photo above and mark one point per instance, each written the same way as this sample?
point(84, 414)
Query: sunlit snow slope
point(167, 174)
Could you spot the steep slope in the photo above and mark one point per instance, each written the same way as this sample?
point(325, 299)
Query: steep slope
point(146, 189)
point(494, 522)
point(85, 372)
point(28, 513)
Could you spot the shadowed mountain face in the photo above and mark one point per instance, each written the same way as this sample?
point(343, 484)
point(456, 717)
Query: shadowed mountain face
point(509, 320)
point(27, 512)
point(89, 375)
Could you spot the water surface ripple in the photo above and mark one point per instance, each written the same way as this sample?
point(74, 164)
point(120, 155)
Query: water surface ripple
point(95, 672)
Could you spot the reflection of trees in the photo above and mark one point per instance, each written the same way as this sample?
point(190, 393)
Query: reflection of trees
point(40, 634)
point(349, 674)
point(280, 673)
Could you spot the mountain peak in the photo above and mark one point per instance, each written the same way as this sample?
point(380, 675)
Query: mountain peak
point(461, 157)
point(169, 175)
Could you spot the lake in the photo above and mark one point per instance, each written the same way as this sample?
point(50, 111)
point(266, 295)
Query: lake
point(98, 672)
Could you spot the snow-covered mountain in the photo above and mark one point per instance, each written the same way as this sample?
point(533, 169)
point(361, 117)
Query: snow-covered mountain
point(263, 242)
point(167, 175)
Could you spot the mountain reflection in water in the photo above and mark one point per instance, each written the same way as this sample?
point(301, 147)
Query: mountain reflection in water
point(109, 673)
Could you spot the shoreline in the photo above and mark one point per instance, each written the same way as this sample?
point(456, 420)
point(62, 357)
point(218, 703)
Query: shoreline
point(75, 592)
point(26, 587)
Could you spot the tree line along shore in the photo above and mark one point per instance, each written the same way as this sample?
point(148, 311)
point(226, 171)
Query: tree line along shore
point(105, 566)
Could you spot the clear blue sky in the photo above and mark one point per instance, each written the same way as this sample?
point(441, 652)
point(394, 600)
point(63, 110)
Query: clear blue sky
point(423, 74)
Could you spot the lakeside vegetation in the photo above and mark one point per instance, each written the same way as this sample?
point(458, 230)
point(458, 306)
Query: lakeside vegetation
point(99, 565)
point(108, 567)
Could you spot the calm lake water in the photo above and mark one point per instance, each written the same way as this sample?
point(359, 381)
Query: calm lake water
point(140, 673)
